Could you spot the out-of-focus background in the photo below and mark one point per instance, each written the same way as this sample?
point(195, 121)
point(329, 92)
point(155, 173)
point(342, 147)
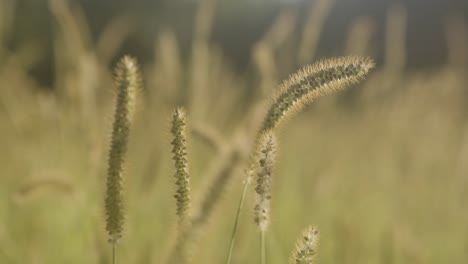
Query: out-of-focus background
point(381, 169)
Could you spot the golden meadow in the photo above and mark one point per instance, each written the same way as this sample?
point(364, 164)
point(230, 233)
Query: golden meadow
point(379, 169)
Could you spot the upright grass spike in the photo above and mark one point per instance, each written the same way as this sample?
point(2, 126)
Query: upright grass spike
point(188, 236)
point(179, 155)
point(314, 81)
point(127, 80)
point(306, 247)
point(180, 252)
point(266, 162)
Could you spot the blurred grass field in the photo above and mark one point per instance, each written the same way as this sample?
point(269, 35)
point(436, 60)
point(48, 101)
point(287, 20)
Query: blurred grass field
point(381, 169)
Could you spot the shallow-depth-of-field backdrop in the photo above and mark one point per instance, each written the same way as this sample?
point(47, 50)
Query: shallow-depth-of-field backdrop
point(381, 169)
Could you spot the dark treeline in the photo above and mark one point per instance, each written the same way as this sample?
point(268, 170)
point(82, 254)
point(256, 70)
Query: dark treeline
point(238, 24)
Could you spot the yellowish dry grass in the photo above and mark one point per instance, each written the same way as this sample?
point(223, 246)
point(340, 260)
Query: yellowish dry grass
point(381, 169)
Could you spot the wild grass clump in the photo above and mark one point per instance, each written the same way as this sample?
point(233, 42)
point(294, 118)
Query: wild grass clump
point(383, 174)
point(300, 89)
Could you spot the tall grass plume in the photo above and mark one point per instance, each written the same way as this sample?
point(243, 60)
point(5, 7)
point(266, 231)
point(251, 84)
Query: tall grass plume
point(127, 80)
point(266, 162)
point(180, 252)
point(179, 155)
point(314, 81)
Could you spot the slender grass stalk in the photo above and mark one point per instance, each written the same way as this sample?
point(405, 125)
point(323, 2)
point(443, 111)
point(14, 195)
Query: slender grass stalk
point(209, 136)
point(262, 247)
point(237, 217)
point(217, 186)
point(128, 81)
point(114, 257)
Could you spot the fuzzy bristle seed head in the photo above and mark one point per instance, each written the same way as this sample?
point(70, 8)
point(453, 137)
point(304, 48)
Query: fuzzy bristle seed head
point(313, 81)
point(265, 167)
point(128, 82)
point(306, 247)
point(179, 155)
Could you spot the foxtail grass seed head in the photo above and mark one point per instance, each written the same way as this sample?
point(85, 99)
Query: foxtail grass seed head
point(179, 153)
point(313, 81)
point(127, 80)
point(266, 163)
point(306, 247)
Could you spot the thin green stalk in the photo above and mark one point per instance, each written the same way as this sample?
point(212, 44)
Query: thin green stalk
point(114, 255)
point(236, 221)
point(262, 247)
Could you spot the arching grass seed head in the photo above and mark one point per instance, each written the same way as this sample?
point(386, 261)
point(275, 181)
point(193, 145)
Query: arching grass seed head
point(313, 81)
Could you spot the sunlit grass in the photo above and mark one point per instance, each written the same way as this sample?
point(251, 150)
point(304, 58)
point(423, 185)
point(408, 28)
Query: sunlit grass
point(381, 169)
